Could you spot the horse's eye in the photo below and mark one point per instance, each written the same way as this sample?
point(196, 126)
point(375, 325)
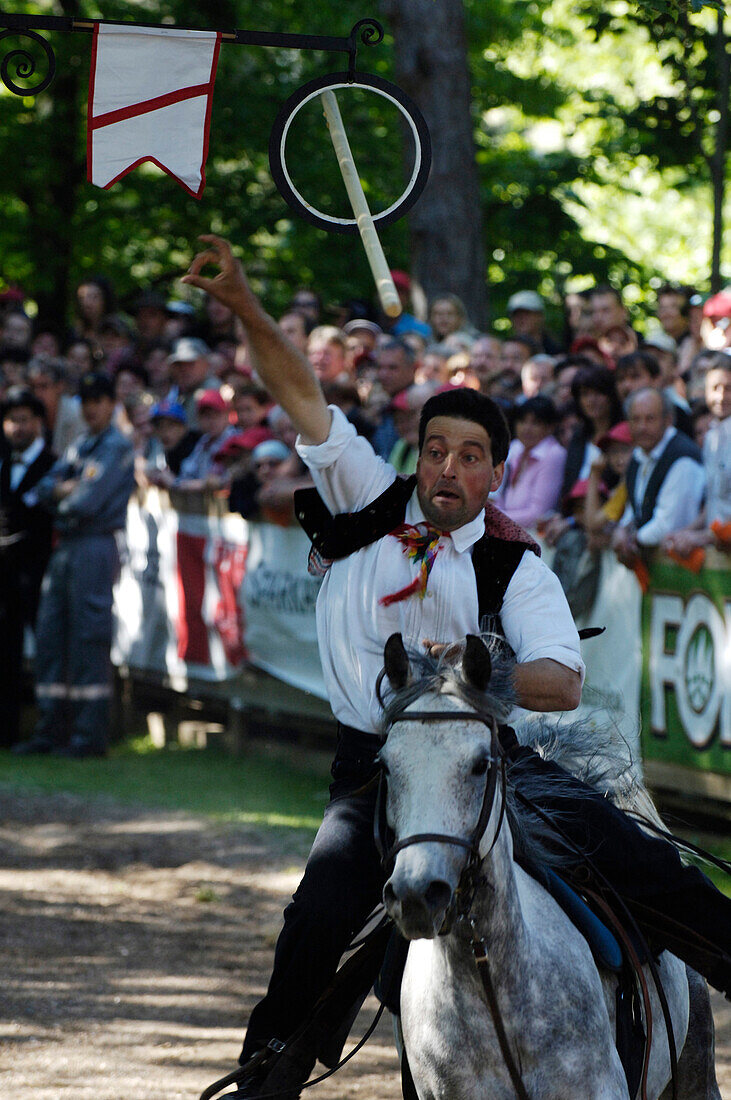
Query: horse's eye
point(480, 766)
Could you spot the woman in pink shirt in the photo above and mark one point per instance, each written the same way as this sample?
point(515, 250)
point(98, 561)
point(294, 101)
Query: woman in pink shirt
point(534, 466)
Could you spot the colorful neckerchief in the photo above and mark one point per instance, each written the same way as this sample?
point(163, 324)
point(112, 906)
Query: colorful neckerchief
point(421, 544)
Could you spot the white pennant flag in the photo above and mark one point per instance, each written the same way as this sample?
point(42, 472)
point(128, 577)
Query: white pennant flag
point(150, 96)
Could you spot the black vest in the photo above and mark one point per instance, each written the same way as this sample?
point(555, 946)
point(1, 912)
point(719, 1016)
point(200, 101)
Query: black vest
point(494, 559)
point(678, 447)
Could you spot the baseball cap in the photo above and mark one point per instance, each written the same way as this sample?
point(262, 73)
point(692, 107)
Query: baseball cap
point(620, 433)
point(526, 299)
point(92, 386)
point(658, 338)
point(271, 448)
point(238, 444)
point(362, 324)
point(149, 299)
point(179, 309)
point(401, 280)
point(211, 399)
point(168, 410)
point(719, 306)
point(188, 348)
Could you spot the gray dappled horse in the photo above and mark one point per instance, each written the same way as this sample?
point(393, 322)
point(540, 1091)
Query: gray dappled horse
point(557, 1009)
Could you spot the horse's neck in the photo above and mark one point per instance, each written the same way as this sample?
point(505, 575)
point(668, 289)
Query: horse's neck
point(496, 908)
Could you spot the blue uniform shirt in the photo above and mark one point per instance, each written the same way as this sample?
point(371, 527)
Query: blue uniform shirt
point(103, 465)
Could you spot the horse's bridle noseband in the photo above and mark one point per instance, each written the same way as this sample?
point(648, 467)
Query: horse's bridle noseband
point(465, 887)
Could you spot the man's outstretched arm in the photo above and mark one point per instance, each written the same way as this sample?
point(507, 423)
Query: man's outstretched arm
point(284, 372)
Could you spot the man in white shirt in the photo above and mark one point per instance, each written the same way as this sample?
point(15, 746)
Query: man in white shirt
point(665, 478)
point(401, 540)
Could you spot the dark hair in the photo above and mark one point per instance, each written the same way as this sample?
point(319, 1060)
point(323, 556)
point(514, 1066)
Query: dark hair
point(18, 397)
point(607, 288)
point(11, 354)
point(51, 368)
point(540, 406)
point(105, 285)
point(395, 343)
point(464, 404)
point(641, 358)
point(600, 379)
point(573, 360)
point(307, 322)
point(685, 293)
point(132, 366)
point(527, 341)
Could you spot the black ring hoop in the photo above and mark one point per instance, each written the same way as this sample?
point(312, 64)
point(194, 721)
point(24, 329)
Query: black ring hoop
point(278, 141)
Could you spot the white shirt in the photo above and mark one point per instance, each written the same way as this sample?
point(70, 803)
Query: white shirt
point(19, 466)
point(352, 625)
point(679, 499)
point(717, 463)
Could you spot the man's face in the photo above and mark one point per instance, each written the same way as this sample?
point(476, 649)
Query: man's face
point(564, 378)
point(212, 421)
point(669, 314)
point(21, 427)
point(249, 411)
point(455, 472)
point(647, 421)
point(485, 357)
point(16, 331)
point(527, 322)
point(535, 376)
point(151, 322)
point(46, 390)
point(395, 372)
point(169, 431)
point(189, 374)
point(293, 327)
point(512, 356)
point(718, 393)
point(634, 378)
point(606, 313)
point(327, 359)
point(98, 413)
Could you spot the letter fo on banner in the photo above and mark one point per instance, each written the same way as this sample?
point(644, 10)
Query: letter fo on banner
point(687, 667)
point(150, 94)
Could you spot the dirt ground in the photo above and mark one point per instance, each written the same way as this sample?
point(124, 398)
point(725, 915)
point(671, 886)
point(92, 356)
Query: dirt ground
point(133, 945)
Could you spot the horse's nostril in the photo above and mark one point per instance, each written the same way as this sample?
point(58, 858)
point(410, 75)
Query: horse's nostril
point(389, 894)
point(437, 895)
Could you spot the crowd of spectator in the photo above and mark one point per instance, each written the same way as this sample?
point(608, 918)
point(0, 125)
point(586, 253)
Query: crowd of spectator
point(621, 438)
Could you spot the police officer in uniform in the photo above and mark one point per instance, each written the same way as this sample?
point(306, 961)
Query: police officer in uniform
point(87, 492)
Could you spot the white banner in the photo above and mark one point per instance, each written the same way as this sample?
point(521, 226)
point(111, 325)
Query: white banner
point(202, 593)
point(150, 94)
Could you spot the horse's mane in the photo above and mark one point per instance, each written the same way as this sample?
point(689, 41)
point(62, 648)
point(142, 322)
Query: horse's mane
point(600, 757)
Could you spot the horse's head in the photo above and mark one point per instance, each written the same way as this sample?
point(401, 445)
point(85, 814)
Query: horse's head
point(439, 765)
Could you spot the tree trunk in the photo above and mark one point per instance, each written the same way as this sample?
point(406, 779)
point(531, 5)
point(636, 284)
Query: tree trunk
point(446, 222)
point(718, 159)
point(53, 207)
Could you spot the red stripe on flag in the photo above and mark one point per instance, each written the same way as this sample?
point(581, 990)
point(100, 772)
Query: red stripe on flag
point(148, 105)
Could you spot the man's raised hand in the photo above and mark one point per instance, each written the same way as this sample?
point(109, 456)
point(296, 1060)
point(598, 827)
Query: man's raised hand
point(229, 286)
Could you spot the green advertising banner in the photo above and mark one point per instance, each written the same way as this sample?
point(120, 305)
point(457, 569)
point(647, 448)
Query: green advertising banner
point(686, 666)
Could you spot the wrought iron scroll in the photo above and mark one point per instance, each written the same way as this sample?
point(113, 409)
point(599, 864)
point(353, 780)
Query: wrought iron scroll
point(367, 32)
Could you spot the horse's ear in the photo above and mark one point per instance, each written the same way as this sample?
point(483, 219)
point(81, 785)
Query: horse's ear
point(396, 662)
point(476, 663)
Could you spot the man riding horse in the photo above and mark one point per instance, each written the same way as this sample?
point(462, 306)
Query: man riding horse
point(431, 559)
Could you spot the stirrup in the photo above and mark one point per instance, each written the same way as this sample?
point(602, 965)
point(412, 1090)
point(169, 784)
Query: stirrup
point(243, 1074)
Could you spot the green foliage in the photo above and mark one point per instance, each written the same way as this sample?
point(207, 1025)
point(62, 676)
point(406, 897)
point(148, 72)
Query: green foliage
point(594, 126)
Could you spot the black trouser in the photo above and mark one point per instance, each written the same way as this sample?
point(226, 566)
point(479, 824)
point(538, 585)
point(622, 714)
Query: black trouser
point(343, 881)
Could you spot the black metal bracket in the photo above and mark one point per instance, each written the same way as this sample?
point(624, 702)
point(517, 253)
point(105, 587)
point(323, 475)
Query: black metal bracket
point(366, 31)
